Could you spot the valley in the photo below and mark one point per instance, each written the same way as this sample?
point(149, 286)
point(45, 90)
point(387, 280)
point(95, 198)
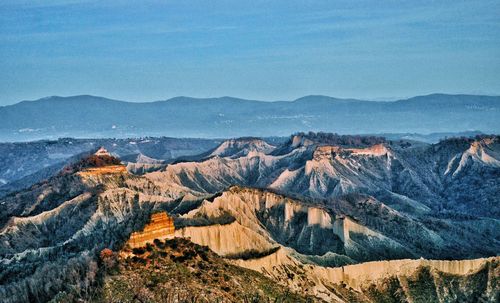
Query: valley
point(249, 151)
point(325, 217)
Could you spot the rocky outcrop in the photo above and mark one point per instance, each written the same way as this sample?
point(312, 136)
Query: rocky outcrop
point(102, 152)
point(141, 164)
point(227, 240)
point(41, 160)
point(328, 283)
point(480, 151)
point(235, 148)
point(56, 228)
point(105, 170)
point(304, 169)
point(263, 219)
point(160, 227)
point(413, 178)
point(330, 151)
point(99, 163)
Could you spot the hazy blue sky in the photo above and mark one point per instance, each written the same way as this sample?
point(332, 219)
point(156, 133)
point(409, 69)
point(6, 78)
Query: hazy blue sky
point(271, 51)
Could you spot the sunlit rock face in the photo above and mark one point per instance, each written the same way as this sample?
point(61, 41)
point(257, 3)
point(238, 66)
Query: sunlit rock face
point(332, 219)
point(411, 177)
point(102, 152)
point(417, 280)
point(263, 220)
point(160, 227)
point(97, 171)
point(235, 148)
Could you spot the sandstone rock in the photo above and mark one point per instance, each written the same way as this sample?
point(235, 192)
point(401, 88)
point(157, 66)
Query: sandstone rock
point(161, 227)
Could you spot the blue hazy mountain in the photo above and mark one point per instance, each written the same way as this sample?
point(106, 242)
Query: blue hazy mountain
point(90, 116)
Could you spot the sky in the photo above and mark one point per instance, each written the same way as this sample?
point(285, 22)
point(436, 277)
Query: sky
point(262, 50)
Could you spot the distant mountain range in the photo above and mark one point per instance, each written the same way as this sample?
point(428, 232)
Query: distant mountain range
point(90, 116)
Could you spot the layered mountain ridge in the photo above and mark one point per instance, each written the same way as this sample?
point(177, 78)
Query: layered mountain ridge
point(320, 170)
point(308, 214)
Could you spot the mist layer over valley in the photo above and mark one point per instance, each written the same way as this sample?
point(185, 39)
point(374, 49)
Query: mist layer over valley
point(98, 117)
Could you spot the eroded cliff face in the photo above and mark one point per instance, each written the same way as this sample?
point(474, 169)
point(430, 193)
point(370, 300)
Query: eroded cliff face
point(106, 170)
point(62, 224)
point(358, 228)
point(367, 281)
point(484, 152)
point(265, 221)
point(160, 227)
point(303, 167)
point(268, 219)
point(58, 227)
point(413, 179)
point(235, 148)
point(227, 240)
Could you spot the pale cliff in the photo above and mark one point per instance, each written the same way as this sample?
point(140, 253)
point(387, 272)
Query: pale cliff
point(160, 227)
point(358, 277)
point(226, 240)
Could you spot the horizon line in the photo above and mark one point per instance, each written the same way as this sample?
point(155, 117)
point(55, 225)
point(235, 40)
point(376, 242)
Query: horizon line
point(387, 99)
